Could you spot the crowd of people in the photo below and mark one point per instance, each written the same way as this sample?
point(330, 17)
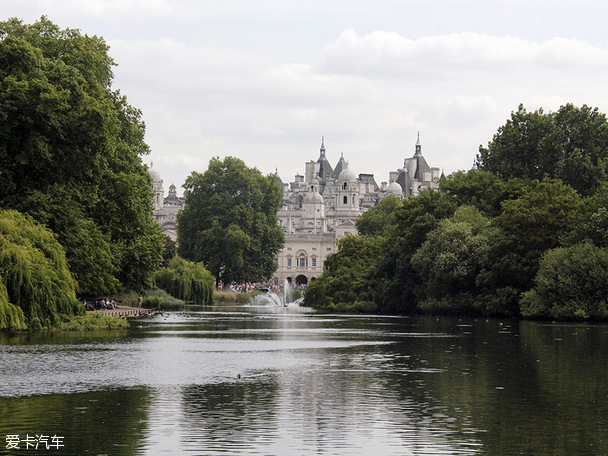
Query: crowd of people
point(266, 287)
point(103, 303)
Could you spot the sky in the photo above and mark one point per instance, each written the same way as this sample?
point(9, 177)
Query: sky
point(266, 80)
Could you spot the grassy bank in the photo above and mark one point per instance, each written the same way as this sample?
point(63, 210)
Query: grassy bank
point(93, 322)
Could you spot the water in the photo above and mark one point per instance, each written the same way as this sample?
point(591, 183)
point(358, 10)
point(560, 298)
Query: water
point(279, 298)
point(310, 385)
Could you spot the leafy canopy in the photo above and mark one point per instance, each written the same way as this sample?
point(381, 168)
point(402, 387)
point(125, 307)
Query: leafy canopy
point(570, 144)
point(230, 222)
point(35, 275)
point(70, 153)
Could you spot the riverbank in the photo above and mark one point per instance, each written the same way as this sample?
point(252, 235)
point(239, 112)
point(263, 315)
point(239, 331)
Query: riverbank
point(110, 319)
point(126, 312)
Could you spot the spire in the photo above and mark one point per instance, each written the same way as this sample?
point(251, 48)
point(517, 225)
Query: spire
point(322, 146)
point(418, 147)
point(325, 169)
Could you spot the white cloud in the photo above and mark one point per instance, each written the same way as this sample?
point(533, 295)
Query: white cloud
point(264, 80)
point(389, 55)
point(368, 94)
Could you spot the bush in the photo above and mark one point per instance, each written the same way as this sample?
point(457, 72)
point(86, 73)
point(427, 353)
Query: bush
point(160, 299)
point(571, 283)
point(93, 322)
point(187, 281)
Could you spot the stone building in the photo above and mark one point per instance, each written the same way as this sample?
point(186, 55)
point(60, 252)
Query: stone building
point(322, 206)
point(165, 208)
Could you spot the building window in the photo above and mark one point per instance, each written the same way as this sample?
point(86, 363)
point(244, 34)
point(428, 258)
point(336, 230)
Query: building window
point(288, 248)
point(288, 262)
point(314, 262)
point(344, 186)
point(329, 249)
point(302, 261)
point(314, 249)
point(346, 200)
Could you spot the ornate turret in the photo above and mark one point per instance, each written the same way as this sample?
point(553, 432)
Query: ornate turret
point(418, 147)
point(325, 170)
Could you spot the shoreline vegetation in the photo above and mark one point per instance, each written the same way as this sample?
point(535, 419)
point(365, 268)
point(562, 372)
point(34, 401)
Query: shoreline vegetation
point(524, 234)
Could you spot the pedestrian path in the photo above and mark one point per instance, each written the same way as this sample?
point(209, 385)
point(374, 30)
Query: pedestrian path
point(125, 311)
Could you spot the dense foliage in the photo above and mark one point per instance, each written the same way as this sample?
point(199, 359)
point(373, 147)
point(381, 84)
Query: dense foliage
point(524, 235)
point(70, 154)
point(230, 221)
point(346, 283)
point(572, 282)
point(186, 281)
point(37, 289)
point(570, 144)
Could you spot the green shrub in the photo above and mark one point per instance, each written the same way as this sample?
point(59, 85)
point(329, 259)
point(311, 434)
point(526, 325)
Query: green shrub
point(160, 299)
point(571, 283)
point(187, 281)
point(93, 322)
point(34, 272)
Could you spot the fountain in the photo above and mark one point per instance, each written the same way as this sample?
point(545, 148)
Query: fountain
point(278, 298)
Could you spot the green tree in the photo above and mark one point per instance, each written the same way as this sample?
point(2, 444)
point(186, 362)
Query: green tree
point(35, 274)
point(398, 280)
point(187, 281)
point(230, 222)
point(348, 280)
point(571, 283)
point(570, 144)
point(526, 146)
point(450, 259)
point(70, 153)
point(592, 220)
point(528, 226)
point(169, 251)
point(379, 219)
point(482, 190)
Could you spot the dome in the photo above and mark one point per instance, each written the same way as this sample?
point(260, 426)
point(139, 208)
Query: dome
point(313, 197)
point(394, 188)
point(347, 175)
point(155, 175)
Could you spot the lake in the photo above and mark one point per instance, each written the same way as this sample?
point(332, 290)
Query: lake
point(265, 380)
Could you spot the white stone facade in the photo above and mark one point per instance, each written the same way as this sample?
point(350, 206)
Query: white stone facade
point(165, 208)
point(322, 206)
point(317, 209)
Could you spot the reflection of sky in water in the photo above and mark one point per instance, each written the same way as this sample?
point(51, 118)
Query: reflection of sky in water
point(317, 384)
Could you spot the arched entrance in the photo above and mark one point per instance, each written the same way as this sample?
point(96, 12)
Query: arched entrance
point(301, 280)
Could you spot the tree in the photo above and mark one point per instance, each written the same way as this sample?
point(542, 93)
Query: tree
point(380, 218)
point(571, 283)
point(348, 280)
point(528, 226)
point(398, 280)
point(526, 146)
point(570, 144)
point(450, 259)
point(70, 154)
point(592, 220)
point(186, 281)
point(230, 222)
point(35, 274)
point(482, 190)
